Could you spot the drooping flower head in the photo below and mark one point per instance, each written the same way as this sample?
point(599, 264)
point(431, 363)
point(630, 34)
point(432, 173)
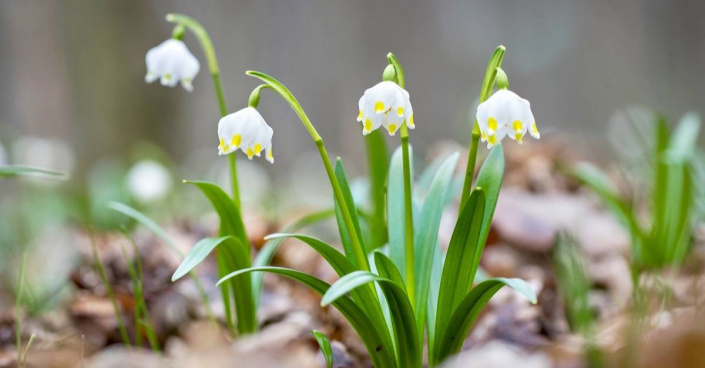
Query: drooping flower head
point(246, 130)
point(171, 62)
point(385, 104)
point(505, 114)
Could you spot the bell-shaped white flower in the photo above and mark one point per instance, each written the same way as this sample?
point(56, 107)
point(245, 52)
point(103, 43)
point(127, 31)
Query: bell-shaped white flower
point(171, 62)
point(505, 114)
point(246, 130)
point(385, 104)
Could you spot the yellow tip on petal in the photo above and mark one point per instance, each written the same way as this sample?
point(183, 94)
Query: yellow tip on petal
point(492, 139)
point(483, 135)
point(491, 125)
point(535, 130)
point(368, 125)
point(519, 138)
point(360, 116)
point(392, 129)
point(270, 155)
point(517, 125)
point(250, 153)
point(411, 121)
point(379, 106)
point(222, 143)
point(226, 148)
point(237, 139)
point(400, 111)
point(258, 149)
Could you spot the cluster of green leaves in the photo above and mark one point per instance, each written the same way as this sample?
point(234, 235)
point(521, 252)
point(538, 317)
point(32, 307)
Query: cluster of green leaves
point(376, 302)
point(665, 237)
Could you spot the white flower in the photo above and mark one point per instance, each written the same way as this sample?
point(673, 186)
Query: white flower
point(386, 104)
point(149, 181)
point(171, 62)
point(246, 130)
point(505, 113)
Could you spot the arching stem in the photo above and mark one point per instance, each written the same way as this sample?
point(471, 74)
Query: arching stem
point(208, 50)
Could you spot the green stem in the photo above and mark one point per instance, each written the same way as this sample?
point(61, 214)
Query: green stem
point(209, 52)
point(408, 203)
point(359, 251)
point(487, 85)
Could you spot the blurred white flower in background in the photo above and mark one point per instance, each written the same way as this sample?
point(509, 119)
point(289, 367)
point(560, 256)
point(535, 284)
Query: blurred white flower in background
point(171, 62)
point(149, 181)
point(385, 104)
point(47, 153)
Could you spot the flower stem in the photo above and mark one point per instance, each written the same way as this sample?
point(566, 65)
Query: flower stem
point(408, 209)
point(358, 249)
point(487, 85)
point(209, 52)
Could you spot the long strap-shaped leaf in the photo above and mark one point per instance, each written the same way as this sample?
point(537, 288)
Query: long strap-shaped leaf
point(462, 319)
point(395, 208)
point(408, 347)
point(230, 219)
point(489, 179)
point(342, 266)
point(13, 170)
point(380, 351)
point(266, 253)
point(352, 209)
point(426, 237)
point(462, 251)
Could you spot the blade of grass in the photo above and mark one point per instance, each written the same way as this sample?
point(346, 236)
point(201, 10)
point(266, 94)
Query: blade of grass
point(159, 231)
point(14, 170)
point(18, 308)
point(109, 291)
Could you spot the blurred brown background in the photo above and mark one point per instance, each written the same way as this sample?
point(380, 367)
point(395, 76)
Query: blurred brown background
point(74, 69)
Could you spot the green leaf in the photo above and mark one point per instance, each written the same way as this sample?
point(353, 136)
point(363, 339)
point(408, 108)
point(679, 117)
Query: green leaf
point(387, 269)
point(342, 266)
point(230, 218)
point(426, 237)
point(265, 255)
point(681, 146)
point(406, 333)
point(378, 348)
point(324, 344)
point(489, 178)
point(335, 259)
point(15, 170)
point(344, 231)
point(237, 257)
point(395, 209)
point(199, 252)
point(462, 259)
point(462, 319)
point(377, 159)
point(146, 222)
